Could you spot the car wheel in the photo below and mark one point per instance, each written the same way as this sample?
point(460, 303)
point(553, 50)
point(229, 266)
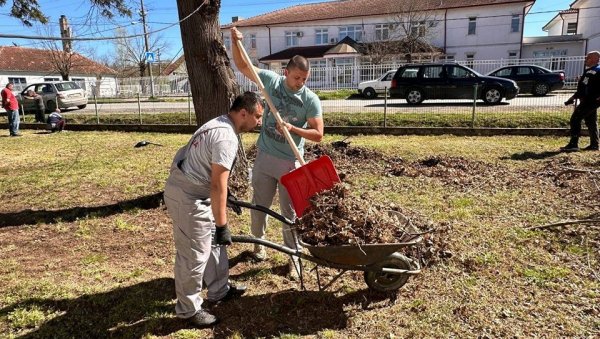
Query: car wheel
point(540, 89)
point(414, 96)
point(492, 96)
point(82, 106)
point(51, 105)
point(369, 93)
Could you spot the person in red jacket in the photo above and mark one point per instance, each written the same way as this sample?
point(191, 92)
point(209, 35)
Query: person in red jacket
point(11, 105)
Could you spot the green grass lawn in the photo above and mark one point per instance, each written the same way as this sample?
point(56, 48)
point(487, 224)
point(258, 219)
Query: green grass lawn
point(86, 248)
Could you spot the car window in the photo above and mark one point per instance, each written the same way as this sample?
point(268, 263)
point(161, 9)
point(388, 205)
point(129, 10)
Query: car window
point(27, 89)
point(523, 70)
point(38, 89)
point(388, 77)
point(433, 72)
point(410, 72)
point(503, 72)
point(458, 72)
point(47, 89)
point(65, 86)
point(540, 70)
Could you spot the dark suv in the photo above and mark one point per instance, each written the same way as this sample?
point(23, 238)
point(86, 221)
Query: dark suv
point(416, 83)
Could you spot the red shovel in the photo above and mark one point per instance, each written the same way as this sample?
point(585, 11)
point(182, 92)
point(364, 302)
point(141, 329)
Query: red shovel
point(308, 179)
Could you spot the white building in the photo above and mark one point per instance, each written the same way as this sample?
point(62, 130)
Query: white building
point(24, 66)
point(572, 32)
point(460, 29)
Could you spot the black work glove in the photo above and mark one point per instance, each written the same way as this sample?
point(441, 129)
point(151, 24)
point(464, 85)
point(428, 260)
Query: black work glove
point(222, 235)
point(231, 199)
point(569, 102)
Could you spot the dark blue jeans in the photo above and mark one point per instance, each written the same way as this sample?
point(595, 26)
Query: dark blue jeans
point(13, 121)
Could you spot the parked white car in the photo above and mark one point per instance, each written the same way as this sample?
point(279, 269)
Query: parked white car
point(370, 89)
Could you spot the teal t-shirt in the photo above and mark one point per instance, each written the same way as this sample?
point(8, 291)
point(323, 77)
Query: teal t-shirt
point(293, 107)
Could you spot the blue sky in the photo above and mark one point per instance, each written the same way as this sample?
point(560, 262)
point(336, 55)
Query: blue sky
point(160, 13)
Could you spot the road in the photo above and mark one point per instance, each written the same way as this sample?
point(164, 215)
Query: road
point(525, 102)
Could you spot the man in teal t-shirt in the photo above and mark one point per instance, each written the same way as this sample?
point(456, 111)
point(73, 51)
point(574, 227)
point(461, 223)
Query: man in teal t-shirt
point(301, 112)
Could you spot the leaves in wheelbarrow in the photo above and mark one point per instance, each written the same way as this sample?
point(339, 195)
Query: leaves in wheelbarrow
point(338, 218)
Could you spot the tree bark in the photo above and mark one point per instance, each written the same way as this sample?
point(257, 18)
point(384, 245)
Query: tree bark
point(212, 82)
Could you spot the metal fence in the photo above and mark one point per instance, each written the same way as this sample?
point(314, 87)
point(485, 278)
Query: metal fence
point(343, 77)
point(133, 105)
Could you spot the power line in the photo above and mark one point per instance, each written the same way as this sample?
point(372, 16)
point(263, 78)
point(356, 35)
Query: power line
point(20, 36)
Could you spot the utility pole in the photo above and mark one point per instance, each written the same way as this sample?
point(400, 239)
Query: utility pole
point(158, 58)
point(143, 14)
point(65, 32)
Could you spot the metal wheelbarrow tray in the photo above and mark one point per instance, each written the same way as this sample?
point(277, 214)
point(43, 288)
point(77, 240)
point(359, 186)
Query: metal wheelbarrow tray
point(384, 268)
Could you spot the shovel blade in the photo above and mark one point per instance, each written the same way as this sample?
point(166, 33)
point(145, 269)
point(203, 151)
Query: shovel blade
point(306, 181)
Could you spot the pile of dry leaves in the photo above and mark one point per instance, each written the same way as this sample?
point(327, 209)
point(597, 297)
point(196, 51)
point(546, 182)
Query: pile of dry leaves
point(336, 217)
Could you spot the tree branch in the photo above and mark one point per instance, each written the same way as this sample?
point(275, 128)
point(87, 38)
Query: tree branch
point(565, 223)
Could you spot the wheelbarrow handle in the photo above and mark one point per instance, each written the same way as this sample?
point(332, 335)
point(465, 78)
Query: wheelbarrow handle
point(262, 209)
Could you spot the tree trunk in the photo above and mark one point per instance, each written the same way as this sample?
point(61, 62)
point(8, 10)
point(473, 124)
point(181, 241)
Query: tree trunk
point(211, 78)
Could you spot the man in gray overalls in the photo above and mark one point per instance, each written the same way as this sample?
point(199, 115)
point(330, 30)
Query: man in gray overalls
point(196, 199)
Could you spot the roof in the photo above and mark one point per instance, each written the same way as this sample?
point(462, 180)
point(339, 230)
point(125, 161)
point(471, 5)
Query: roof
point(173, 66)
point(356, 8)
point(559, 15)
point(345, 46)
point(306, 51)
point(552, 39)
point(39, 60)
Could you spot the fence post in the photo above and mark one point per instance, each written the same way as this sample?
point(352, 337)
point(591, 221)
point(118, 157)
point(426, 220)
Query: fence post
point(385, 93)
point(22, 111)
point(139, 108)
point(190, 107)
point(474, 105)
point(96, 109)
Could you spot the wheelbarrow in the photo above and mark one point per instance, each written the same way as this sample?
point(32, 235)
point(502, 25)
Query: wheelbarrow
point(384, 268)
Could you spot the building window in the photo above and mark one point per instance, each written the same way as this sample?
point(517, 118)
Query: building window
point(382, 32)
point(354, 32)
point(318, 70)
point(292, 38)
point(321, 36)
point(227, 42)
point(19, 83)
point(572, 28)
point(515, 23)
point(253, 41)
point(51, 79)
point(472, 26)
point(417, 29)
point(470, 58)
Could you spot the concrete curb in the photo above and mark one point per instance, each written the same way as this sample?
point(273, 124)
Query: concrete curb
point(189, 129)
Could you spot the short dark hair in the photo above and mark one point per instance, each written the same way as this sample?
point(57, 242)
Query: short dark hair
point(248, 101)
point(300, 62)
point(10, 83)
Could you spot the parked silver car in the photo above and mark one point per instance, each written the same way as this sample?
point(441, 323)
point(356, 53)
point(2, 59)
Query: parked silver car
point(61, 94)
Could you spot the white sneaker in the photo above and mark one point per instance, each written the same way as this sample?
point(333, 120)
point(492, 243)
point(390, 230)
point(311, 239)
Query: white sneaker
point(259, 253)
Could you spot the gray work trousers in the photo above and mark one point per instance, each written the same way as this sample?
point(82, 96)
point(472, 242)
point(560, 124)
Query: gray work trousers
point(197, 258)
point(265, 182)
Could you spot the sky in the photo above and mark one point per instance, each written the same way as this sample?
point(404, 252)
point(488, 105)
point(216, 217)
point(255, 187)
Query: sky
point(162, 13)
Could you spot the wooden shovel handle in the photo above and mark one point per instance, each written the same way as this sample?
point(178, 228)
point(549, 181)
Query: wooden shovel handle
point(260, 85)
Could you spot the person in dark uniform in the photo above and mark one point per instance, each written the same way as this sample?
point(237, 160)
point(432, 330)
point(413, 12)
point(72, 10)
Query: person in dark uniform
point(588, 94)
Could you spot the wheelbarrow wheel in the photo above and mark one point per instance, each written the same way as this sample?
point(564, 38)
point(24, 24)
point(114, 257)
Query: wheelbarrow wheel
point(384, 282)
